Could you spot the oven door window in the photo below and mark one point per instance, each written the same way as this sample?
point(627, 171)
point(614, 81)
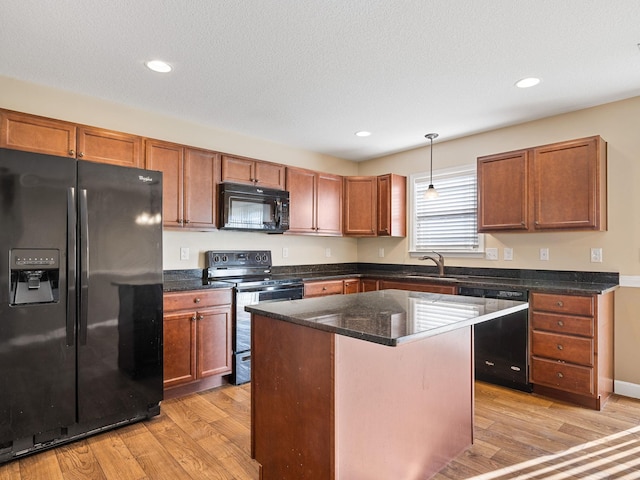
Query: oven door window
point(248, 213)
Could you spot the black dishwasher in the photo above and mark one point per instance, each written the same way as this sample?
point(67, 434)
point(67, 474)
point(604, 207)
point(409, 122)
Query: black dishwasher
point(501, 345)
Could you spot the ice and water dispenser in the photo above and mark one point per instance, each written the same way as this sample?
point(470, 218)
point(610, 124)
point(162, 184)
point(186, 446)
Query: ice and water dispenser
point(34, 275)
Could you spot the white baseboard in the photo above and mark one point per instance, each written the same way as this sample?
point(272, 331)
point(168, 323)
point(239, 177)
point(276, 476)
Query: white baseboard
point(627, 389)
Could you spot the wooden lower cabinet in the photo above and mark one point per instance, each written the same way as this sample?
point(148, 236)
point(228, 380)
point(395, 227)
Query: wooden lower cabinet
point(322, 288)
point(197, 340)
point(571, 345)
point(417, 286)
point(369, 285)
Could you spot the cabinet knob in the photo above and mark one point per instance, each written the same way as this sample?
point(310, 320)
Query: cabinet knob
point(560, 347)
point(193, 318)
point(196, 300)
point(72, 153)
point(80, 154)
point(560, 375)
point(560, 303)
point(200, 317)
point(187, 221)
point(560, 323)
point(324, 288)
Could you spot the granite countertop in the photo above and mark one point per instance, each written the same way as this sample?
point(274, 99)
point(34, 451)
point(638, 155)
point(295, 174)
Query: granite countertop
point(561, 282)
point(388, 317)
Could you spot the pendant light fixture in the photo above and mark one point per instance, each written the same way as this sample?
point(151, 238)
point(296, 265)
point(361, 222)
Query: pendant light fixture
point(431, 192)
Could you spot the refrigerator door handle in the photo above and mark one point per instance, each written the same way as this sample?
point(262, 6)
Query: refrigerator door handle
point(84, 268)
point(71, 266)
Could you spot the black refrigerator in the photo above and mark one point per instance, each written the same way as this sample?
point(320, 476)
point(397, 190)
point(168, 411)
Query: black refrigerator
point(80, 299)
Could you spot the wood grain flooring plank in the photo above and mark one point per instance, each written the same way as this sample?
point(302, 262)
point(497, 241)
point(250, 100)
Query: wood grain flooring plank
point(115, 459)
point(77, 462)
point(42, 466)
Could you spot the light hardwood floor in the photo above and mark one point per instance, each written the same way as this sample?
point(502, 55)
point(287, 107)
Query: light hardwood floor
point(206, 436)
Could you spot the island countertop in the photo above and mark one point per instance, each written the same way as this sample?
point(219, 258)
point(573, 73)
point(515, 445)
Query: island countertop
point(388, 317)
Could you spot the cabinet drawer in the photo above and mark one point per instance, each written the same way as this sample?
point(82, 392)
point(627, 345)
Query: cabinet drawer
point(572, 378)
point(196, 299)
point(418, 287)
point(562, 324)
point(562, 347)
point(563, 304)
point(315, 289)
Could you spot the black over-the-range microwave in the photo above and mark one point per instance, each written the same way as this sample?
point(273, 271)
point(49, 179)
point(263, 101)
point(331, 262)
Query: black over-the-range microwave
point(253, 208)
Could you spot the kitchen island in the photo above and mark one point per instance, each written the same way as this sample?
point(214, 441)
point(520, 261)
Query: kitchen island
point(373, 385)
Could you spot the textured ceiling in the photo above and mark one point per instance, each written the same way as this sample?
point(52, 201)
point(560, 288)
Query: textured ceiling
point(310, 73)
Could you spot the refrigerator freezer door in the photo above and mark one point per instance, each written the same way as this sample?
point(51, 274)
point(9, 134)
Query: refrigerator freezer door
point(37, 349)
point(120, 272)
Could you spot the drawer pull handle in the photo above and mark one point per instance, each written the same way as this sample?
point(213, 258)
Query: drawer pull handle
point(560, 375)
point(560, 347)
point(487, 362)
point(324, 288)
point(560, 303)
point(196, 300)
point(560, 323)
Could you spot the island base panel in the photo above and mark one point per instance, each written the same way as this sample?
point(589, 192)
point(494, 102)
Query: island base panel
point(333, 407)
point(402, 412)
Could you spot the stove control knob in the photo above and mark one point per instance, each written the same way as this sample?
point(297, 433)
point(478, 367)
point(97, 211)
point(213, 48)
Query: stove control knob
point(258, 258)
point(216, 258)
point(225, 258)
point(265, 257)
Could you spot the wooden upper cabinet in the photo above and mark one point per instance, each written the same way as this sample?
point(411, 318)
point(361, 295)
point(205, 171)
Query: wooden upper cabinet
point(503, 186)
point(392, 205)
point(315, 202)
point(21, 131)
point(201, 178)
point(329, 204)
point(189, 182)
point(360, 206)
point(562, 186)
point(106, 146)
point(253, 172)
point(570, 185)
point(168, 158)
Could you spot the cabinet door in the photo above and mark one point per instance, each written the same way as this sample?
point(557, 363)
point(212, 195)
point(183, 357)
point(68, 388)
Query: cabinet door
point(329, 204)
point(301, 184)
point(360, 206)
point(352, 285)
point(503, 192)
point(31, 133)
point(237, 170)
point(269, 175)
point(214, 341)
point(179, 336)
point(392, 205)
point(201, 178)
point(168, 158)
point(105, 146)
point(368, 285)
point(569, 181)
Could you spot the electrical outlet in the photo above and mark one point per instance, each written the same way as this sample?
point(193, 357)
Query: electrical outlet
point(285, 252)
point(596, 255)
point(184, 253)
point(327, 252)
point(544, 254)
point(491, 253)
point(381, 252)
point(507, 253)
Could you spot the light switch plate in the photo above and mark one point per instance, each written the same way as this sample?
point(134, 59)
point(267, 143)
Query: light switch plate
point(184, 253)
point(544, 254)
point(381, 252)
point(327, 252)
point(507, 254)
point(285, 252)
point(491, 253)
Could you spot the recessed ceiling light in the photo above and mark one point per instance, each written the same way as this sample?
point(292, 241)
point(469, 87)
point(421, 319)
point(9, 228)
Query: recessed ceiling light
point(363, 133)
point(158, 66)
point(527, 82)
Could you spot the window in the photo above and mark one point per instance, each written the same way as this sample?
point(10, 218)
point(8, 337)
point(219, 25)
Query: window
point(449, 223)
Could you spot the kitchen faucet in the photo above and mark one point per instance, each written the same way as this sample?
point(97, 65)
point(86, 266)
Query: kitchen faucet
point(438, 261)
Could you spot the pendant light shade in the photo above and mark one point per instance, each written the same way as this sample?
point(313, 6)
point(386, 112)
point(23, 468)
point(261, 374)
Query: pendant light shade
point(431, 191)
